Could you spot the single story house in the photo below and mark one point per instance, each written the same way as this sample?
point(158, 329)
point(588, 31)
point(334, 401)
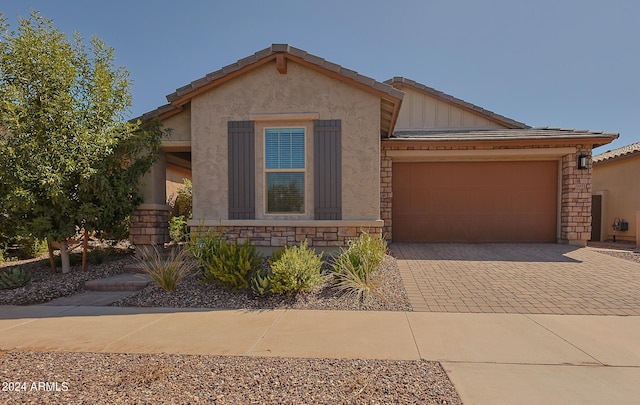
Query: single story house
point(284, 146)
point(616, 194)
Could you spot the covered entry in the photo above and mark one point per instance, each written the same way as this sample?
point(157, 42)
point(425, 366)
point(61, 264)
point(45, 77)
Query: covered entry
point(471, 201)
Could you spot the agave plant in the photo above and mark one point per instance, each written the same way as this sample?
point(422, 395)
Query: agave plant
point(261, 283)
point(13, 278)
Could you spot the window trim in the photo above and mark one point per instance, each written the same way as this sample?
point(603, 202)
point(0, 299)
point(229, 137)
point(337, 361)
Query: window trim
point(266, 171)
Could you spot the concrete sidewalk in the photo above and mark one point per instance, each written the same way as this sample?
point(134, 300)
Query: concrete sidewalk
point(491, 358)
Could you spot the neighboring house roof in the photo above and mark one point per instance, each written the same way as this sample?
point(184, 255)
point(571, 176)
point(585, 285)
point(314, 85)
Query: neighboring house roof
point(538, 133)
point(399, 82)
point(624, 151)
point(391, 98)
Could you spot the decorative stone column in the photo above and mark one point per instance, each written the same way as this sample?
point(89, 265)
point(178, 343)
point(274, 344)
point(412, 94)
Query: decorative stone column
point(575, 213)
point(149, 224)
point(386, 193)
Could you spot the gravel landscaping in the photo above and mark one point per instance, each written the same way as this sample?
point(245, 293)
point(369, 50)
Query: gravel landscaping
point(46, 286)
point(621, 249)
point(181, 379)
point(191, 294)
point(169, 378)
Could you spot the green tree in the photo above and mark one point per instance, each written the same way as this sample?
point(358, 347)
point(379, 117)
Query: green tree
point(70, 158)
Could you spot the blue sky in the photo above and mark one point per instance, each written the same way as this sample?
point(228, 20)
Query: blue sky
point(557, 63)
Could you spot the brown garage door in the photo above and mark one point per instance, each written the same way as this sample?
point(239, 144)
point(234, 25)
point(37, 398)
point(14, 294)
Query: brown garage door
point(475, 201)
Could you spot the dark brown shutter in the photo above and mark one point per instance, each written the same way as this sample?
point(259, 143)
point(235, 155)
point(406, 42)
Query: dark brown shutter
point(242, 185)
point(327, 158)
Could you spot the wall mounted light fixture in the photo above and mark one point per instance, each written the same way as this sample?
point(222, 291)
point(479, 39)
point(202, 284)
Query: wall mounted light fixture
point(582, 161)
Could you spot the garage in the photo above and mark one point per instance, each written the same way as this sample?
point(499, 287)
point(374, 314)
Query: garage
point(475, 201)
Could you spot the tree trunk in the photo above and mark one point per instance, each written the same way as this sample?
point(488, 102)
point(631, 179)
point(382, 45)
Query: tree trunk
point(85, 241)
point(64, 256)
point(52, 261)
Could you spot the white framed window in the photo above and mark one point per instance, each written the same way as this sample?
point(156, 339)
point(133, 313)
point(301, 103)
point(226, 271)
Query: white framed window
point(285, 170)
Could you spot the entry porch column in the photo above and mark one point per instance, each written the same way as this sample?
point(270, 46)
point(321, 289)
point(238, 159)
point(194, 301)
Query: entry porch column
point(149, 224)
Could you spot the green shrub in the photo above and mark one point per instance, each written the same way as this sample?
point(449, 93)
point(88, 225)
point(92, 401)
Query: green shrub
point(276, 255)
point(297, 269)
point(166, 271)
point(228, 264)
point(4, 256)
point(184, 200)
point(97, 256)
point(358, 282)
point(182, 205)
point(13, 278)
point(178, 229)
point(371, 248)
point(31, 247)
point(355, 268)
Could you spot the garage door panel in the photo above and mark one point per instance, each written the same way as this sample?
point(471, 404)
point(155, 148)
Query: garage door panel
point(475, 201)
point(447, 201)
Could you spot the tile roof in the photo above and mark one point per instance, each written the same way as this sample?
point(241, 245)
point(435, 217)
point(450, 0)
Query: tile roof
point(287, 49)
point(392, 96)
point(539, 133)
point(399, 81)
point(616, 153)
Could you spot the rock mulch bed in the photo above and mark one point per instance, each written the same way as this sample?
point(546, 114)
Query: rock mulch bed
point(191, 294)
point(46, 286)
point(622, 249)
point(179, 379)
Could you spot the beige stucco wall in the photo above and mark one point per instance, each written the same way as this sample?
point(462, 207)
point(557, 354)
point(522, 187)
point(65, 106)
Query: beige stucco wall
point(421, 111)
point(175, 180)
point(179, 125)
point(620, 178)
point(264, 90)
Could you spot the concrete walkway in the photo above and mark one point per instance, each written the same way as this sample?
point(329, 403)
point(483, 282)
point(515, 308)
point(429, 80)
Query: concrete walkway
point(490, 358)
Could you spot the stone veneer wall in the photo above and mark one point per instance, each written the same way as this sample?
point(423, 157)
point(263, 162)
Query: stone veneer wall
point(149, 226)
point(276, 236)
point(386, 193)
point(575, 211)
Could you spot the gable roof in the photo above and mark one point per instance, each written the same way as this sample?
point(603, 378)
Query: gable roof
point(399, 82)
point(390, 98)
point(624, 151)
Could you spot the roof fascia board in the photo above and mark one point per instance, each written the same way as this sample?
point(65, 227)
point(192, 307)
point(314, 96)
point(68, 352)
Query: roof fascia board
point(221, 80)
point(415, 143)
point(335, 73)
point(394, 118)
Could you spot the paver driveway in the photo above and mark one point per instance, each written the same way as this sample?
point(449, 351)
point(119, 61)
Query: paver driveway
point(517, 278)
